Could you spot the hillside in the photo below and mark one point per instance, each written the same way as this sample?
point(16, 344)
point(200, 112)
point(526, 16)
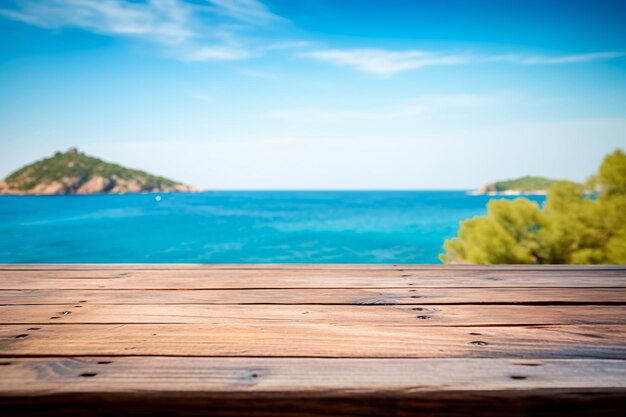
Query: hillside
point(524, 185)
point(73, 172)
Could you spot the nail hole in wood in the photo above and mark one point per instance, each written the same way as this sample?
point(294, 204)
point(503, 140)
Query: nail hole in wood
point(88, 374)
point(475, 334)
point(83, 301)
point(479, 343)
point(66, 312)
point(55, 317)
point(528, 364)
point(21, 336)
point(5, 363)
point(104, 362)
point(518, 377)
point(423, 317)
point(34, 328)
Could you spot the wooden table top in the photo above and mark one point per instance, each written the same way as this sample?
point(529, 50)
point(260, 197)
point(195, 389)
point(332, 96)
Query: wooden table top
point(312, 340)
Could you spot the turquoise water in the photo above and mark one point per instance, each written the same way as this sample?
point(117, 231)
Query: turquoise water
point(235, 227)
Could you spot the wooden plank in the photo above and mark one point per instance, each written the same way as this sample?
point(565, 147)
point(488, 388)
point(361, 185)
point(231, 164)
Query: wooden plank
point(363, 296)
point(260, 340)
point(345, 315)
point(148, 280)
point(310, 387)
point(249, 376)
point(280, 339)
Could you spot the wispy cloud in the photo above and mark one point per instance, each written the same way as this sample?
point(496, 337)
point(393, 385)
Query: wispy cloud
point(194, 31)
point(162, 20)
point(385, 62)
point(557, 59)
point(251, 11)
point(225, 30)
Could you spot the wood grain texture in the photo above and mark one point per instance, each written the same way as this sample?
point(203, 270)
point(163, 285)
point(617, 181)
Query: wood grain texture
point(332, 315)
point(363, 296)
point(279, 339)
point(253, 376)
point(312, 340)
point(311, 387)
point(218, 279)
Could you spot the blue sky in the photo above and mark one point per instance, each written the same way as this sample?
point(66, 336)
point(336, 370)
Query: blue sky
point(316, 94)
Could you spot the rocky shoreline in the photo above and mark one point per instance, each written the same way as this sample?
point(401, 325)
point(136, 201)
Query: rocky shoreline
point(507, 192)
point(95, 185)
point(73, 172)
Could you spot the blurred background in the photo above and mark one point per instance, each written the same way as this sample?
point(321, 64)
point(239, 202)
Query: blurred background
point(386, 112)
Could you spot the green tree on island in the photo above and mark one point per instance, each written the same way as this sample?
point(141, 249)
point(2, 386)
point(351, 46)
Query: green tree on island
point(572, 227)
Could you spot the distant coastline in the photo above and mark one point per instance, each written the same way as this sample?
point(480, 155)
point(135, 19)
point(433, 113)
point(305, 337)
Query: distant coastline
point(519, 186)
point(507, 192)
point(73, 172)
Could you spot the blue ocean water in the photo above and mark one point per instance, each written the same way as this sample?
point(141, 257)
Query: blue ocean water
point(235, 227)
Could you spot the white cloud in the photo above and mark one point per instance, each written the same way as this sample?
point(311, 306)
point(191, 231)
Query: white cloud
point(223, 30)
point(557, 59)
point(251, 11)
point(188, 31)
point(385, 62)
point(161, 20)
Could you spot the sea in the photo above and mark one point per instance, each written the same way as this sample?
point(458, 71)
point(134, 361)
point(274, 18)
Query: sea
point(235, 226)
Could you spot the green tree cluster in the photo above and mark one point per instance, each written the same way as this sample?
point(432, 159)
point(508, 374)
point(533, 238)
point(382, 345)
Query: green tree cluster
point(578, 224)
point(74, 164)
point(524, 184)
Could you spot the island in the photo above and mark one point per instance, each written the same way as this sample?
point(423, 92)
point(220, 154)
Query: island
point(527, 185)
point(73, 172)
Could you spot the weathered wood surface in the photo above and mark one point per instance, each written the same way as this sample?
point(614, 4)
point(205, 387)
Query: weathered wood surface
point(13, 281)
point(357, 296)
point(222, 376)
point(315, 340)
point(303, 314)
point(310, 340)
